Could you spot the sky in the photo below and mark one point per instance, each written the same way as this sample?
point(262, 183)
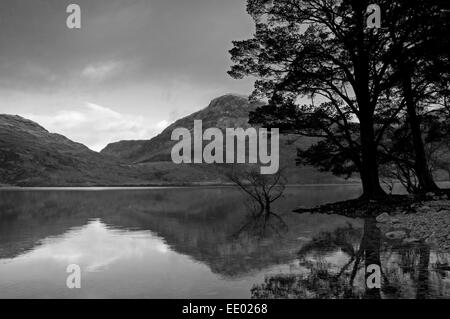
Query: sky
point(134, 67)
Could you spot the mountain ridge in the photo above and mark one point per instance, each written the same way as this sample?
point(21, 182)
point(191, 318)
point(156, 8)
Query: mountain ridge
point(229, 110)
point(32, 156)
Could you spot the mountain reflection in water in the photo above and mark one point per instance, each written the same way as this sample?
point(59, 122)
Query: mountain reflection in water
point(200, 243)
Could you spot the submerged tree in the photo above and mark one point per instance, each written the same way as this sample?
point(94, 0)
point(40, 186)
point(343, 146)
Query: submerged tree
point(262, 189)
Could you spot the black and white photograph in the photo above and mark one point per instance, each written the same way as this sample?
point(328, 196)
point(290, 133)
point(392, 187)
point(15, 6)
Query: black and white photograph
point(204, 151)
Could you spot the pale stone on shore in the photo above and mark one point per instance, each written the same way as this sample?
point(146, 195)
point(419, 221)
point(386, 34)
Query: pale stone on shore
point(428, 222)
point(398, 234)
point(383, 218)
point(411, 240)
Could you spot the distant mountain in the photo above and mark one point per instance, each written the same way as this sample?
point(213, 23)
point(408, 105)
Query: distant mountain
point(31, 156)
point(225, 111)
point(228, 111)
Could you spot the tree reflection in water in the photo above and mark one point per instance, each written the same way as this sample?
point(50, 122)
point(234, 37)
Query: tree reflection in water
point(261, 223)
point(334, 265)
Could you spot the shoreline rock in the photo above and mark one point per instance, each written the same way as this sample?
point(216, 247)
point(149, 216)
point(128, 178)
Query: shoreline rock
point(428, 221)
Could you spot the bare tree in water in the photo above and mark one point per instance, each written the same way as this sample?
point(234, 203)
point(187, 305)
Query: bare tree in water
point(262, 190)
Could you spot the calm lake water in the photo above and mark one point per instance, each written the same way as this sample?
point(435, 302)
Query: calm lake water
point(201, 243)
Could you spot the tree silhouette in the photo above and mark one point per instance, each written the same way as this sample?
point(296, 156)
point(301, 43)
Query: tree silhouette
point(323, 49)
point(262, 189)
point(418, 46)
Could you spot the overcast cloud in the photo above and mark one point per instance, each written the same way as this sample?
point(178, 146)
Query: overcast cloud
point(134, 67)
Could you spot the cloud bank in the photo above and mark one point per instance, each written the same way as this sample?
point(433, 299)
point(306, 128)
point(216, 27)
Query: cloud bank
point(95, 126)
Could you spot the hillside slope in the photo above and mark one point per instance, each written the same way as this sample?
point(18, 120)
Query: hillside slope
point(225, 111)
point(228, 111)
point(32, 156)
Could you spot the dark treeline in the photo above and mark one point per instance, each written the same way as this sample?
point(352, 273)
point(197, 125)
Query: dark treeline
point(379, 96)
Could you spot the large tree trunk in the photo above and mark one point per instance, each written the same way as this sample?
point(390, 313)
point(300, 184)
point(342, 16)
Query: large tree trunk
point(369, 166)
point(426, 182)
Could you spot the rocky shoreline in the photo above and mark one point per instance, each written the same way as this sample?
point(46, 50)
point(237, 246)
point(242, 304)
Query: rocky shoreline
point(404, 219)
point(425, 221)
